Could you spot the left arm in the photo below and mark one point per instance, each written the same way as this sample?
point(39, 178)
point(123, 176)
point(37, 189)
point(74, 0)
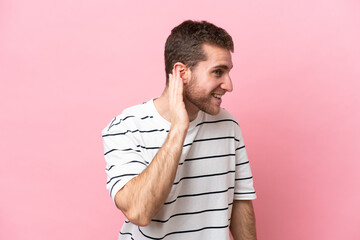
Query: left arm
point(242, 223)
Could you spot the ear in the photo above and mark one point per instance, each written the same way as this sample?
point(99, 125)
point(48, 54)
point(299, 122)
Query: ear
point(184, 71)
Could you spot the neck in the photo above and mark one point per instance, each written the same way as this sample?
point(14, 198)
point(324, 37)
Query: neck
point(162, 106)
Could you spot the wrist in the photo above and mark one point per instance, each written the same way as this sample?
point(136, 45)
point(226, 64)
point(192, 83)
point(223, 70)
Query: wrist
point(177, 131)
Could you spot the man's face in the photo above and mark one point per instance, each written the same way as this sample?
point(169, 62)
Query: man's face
point(210, 80)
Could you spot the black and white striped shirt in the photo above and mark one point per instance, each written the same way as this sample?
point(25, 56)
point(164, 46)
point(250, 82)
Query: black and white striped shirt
point(213, 171)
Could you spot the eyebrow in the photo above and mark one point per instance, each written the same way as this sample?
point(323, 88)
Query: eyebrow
point(222, 66)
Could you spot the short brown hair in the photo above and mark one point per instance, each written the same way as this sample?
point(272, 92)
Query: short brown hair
point(184, 44)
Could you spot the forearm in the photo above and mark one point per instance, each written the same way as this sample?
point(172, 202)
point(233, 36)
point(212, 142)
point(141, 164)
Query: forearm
point(142, 197)
point(243, 226)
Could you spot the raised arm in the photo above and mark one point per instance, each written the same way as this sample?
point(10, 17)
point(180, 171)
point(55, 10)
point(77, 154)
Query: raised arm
point(143, 196)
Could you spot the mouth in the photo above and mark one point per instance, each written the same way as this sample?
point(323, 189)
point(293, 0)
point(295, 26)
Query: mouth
point(217, 97)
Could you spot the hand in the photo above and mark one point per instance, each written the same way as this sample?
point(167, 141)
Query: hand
point(178, 114)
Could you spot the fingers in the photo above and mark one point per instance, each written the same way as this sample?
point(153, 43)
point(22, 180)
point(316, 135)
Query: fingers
point(176, 85)
point(178, 114)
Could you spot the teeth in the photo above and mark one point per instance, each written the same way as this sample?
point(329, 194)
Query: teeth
point(217, 95)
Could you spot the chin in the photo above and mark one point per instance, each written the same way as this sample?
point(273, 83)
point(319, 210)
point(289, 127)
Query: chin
point(211, 111)
point(215, 112)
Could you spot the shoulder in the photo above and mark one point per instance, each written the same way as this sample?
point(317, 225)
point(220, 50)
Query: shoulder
point(129, 118)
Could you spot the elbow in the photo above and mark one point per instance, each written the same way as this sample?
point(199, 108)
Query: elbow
point(138, 218)
point(136, 213)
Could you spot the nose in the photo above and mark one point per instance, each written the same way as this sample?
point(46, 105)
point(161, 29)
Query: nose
point(227, 84)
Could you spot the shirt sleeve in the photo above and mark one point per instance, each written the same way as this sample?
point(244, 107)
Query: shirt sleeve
point(123, 156)
point(244, 189)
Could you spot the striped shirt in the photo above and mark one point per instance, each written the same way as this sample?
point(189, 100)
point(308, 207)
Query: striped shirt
point(213, 171)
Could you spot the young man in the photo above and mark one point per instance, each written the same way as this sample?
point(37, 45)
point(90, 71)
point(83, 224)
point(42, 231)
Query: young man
point(177, 165)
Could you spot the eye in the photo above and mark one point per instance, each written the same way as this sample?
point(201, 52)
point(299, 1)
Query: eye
point(218, 72)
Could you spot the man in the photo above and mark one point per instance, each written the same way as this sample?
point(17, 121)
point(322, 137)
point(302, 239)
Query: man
point(176, 165)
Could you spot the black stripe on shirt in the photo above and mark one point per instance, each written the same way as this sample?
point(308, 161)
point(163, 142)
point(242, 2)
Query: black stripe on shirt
point(147, 147)
point(198, 194)
point(181, 232)
point(123, 119)
point(124, 150)
point(210, 139)
point(190, 213)
point(244, 193)
point(131, 149)
point(242, 163)
point(222, 120)
point(127, 233)
point(134, 131)
point(111, 124)
point(108, 169)
point(239, 148)
point(240, 179)
point(200, 158)
point(203, 176)
point(217, 138)
point(146, 117)
point(123, 175)
point(146, 163)
point(114, 185)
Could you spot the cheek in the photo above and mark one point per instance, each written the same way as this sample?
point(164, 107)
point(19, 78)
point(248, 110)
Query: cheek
point(205, 82)
point(202, 84)
point(211, 85)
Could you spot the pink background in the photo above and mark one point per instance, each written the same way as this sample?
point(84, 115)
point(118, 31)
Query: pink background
point(68, 67)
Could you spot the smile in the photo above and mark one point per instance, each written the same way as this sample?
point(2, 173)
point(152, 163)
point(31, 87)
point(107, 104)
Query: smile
point(216, 95)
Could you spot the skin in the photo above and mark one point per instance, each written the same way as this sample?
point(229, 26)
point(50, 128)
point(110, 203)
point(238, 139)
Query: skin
point(209, 77)
point(188, 92)
point(242, 225)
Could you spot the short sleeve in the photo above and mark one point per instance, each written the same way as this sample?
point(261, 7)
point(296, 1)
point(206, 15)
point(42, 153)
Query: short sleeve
point(244, 189)
point(123, 155)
